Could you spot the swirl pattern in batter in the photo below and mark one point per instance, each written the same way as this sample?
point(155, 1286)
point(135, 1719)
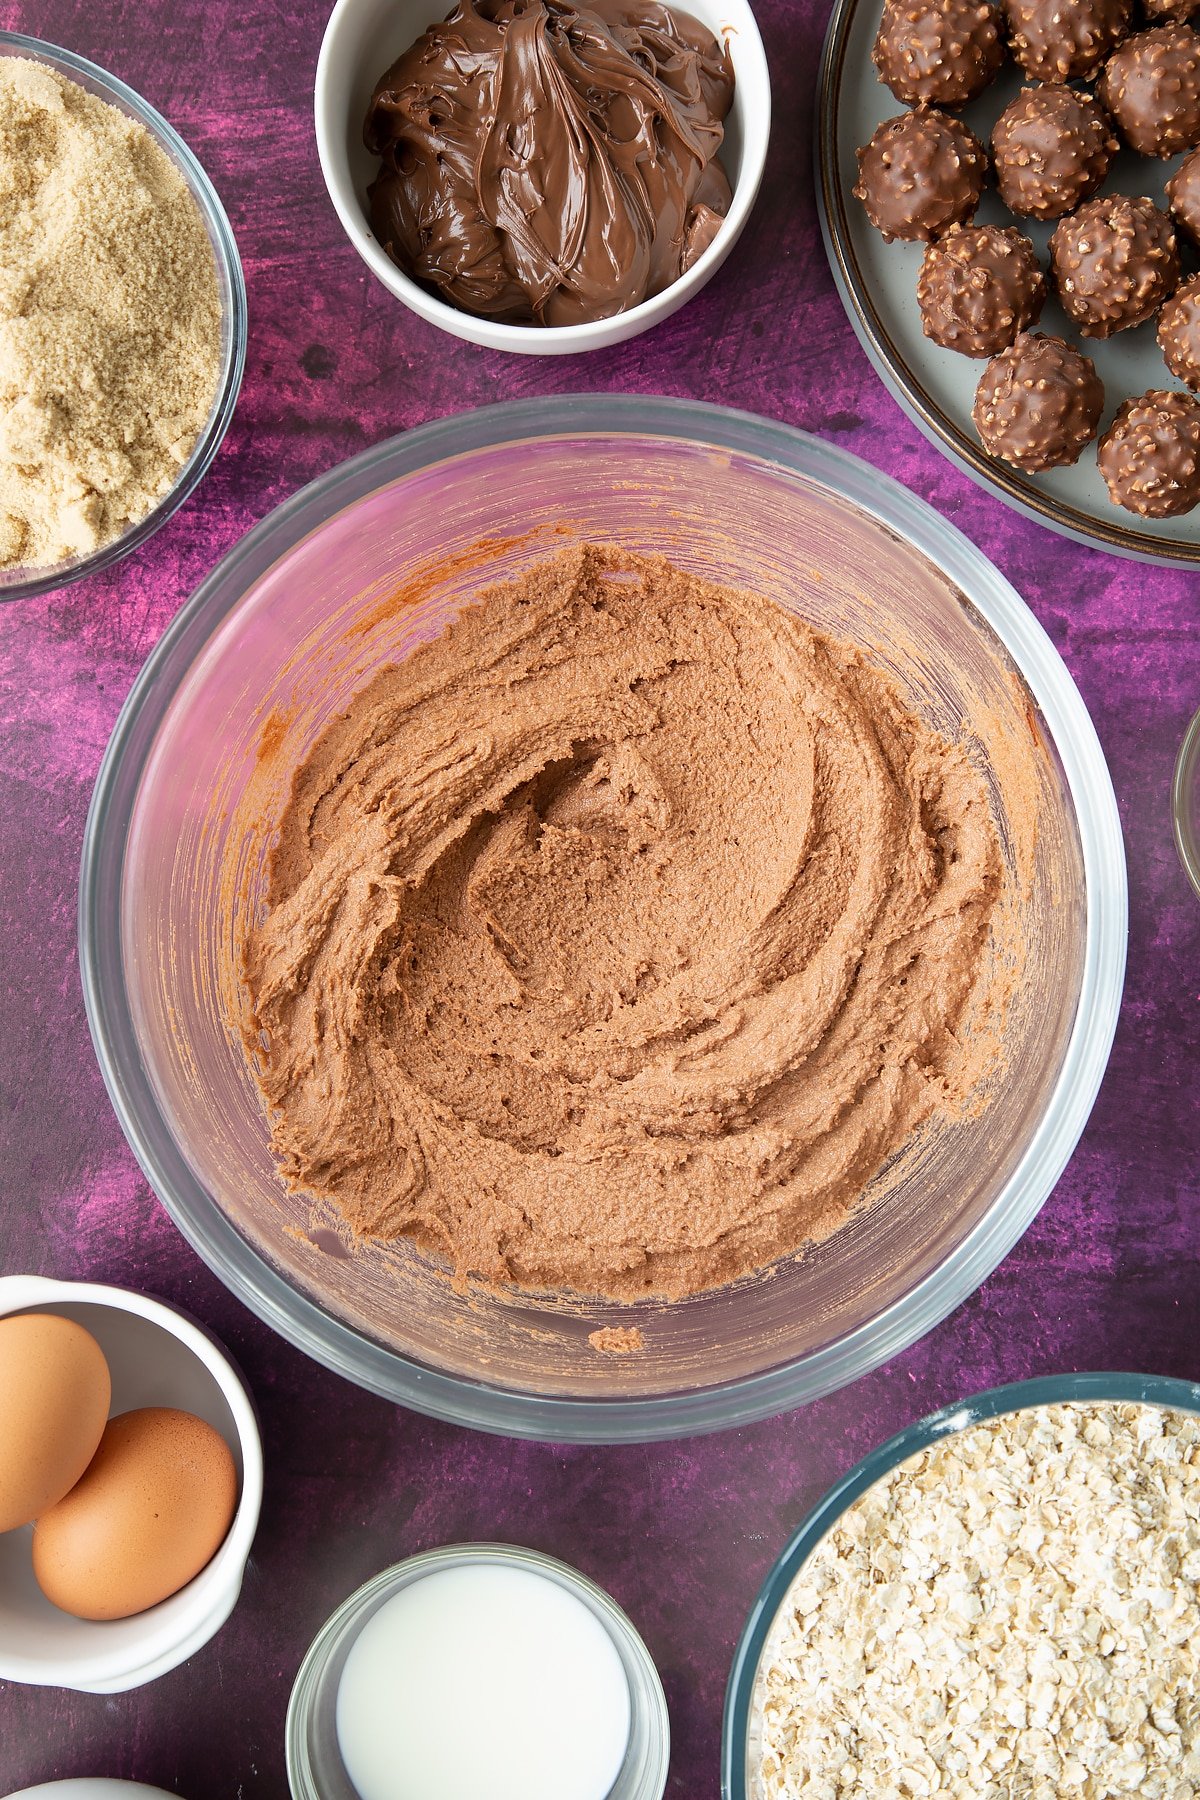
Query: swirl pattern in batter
point(617, 938)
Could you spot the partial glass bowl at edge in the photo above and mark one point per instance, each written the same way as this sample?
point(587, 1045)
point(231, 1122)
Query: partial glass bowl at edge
point(19, 584)
point(1185, 802)
point(351, 573)
point(739, 1750)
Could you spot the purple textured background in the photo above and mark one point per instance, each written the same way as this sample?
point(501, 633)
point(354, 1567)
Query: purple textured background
point(681, 1534)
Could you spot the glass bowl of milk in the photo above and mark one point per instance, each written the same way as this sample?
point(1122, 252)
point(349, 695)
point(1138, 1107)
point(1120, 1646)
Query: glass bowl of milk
point(478, 1669)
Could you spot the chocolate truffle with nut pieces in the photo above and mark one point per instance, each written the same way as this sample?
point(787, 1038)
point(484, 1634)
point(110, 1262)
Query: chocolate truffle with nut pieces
point(1150, 454)
point(1183, 197)
point(1051, 148)
point(1114, 262)
point(1057, 40)
point(921, 173)
point(1180, 10)
point(1151, 86)
point(1179, 333)
point(1038, 403)
point(978, 287)
point(938, 52)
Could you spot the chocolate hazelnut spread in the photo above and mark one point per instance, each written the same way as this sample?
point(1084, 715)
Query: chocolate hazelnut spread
point(551, 163)
point(617, 937)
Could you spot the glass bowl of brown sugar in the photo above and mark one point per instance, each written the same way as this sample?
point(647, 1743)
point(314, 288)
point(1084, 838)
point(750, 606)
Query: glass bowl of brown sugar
point(123, 407)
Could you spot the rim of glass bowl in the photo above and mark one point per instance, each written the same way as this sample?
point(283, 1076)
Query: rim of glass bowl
point(1185, 801)
point(643, 1775)
point(1044, 1390)
point(470, 1401)
point(230, 280)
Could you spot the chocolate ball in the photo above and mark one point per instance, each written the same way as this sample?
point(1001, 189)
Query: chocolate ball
point(1151, 86)
point(1057, 40)
point(1114, 262)
point(1170, 9)
point(1038, 403)
point(978, 287)
point(943, 52)
point(1183, 196)
point(920, 173)
point(1150, 454)
point(1179, 333)
point(1051, 148)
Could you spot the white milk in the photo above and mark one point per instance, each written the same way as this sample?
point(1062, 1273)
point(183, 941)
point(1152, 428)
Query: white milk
point(483, 1682)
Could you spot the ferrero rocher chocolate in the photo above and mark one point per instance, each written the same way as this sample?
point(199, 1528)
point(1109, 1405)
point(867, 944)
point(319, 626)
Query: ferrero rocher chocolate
point(921, 173)
point(1151, 86)
point(1051, 148)
point(978, 287)
point(1183, 197)
point(1150, 454)
point(1038, 403)
point(1065, 40)
point(1114, 262)
point(1179, 333)
point(942, 52)
point(1114, 258)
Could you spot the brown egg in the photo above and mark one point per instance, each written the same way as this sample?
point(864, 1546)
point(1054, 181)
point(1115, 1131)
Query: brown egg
point(55, 1391)
point(153, 1508)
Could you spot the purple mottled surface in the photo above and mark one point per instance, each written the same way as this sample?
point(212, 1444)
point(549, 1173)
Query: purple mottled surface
point(684, 1533)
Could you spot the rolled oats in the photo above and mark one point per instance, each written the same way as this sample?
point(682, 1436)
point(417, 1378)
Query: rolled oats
point(1012, 1613)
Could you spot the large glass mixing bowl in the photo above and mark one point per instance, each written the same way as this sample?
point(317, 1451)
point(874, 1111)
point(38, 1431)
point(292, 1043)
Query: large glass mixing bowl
point(352, 573)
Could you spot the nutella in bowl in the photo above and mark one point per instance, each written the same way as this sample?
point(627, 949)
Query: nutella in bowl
point(551, 164)
point(539, 176)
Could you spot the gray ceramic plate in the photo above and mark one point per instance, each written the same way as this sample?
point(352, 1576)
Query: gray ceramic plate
point(936, 387)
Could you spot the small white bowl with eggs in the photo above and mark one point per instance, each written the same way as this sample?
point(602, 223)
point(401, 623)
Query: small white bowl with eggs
point(156, 1358)
point(363, 39)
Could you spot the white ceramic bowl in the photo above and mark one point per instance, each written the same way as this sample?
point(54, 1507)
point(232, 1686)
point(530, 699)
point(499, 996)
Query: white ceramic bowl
point(157, 1357)
point(364, 37)
point(88, 1787)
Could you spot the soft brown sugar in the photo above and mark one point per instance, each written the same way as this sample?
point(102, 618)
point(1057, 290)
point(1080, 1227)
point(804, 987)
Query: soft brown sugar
point(110, 319)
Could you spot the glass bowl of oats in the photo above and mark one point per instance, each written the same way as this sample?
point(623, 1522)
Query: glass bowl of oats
point(122, 319)
point(1003, 1599)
